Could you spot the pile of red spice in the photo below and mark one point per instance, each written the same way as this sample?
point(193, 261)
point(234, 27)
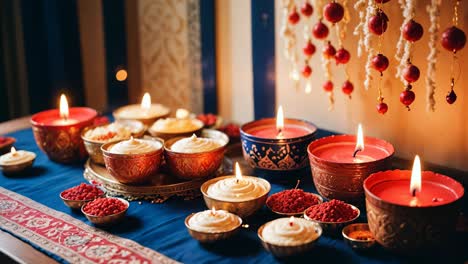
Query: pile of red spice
point(361, 235)
point(332, 211)
point(291, 201)
point(104, 137)
point(208, 119)
point(104, 207)
point(82, 192)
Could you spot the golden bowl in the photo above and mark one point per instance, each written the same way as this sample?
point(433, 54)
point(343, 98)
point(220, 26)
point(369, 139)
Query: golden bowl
point(17, 168)
point(108, 219)
point(357, 244)
point(210, 237)
point(320, 199)
point(147, 120)
point(187, 133)
point(242, 208)
point(94, 147)
point(133, 168)
point(77, 204)
point(284, 251)
point(334, 228)
point(196, 165)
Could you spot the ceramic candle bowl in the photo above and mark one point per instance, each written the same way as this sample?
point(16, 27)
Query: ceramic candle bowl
point(343, 180)
point(273, 153)
point(406, 228)
point(94, 147)
point(285, 251)
point(196, 165)
point(242, 209)
point(146, 120)
point(210, 237)
point(132, 168)
point(17, 168)
point(168, 135)
point(62, 142)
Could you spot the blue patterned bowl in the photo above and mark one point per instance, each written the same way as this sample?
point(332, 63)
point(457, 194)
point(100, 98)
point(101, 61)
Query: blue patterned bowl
point(277, 154)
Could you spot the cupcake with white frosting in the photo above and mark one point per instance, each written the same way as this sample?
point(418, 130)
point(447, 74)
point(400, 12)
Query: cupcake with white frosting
point(289, 236)
point(212, 225)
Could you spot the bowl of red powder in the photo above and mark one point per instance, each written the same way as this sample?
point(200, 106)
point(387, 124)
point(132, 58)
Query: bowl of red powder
point(105, 211)
point(332, 215)
point(358, 236)
point(292, 202)
point(77, 196)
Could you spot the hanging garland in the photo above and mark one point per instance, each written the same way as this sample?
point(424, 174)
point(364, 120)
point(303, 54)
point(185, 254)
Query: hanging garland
point(411, 31)
point(377, 24)
point(453, 40)
point(434, 12)
point(309, 48)
point(290, 18)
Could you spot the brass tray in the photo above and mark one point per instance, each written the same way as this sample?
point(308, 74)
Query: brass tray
point(162, 187)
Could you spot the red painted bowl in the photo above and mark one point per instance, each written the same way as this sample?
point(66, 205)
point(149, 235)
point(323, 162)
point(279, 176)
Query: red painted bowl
point(62, 141)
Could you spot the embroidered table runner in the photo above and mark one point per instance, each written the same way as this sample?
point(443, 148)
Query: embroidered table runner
point(67, 237)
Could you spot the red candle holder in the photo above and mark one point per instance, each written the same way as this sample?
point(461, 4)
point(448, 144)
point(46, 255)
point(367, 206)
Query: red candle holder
point(339, 175)
point(60, 139)
point(401, 226)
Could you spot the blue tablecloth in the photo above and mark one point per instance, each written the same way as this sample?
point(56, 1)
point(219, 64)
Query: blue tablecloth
point(161, 226)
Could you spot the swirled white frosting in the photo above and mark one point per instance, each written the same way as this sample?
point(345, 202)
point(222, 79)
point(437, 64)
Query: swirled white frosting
point(111, 132)
point(220, 221)
point(176, 125)
point(233, 190)
point(18, 157)
point(282, 232)
point(195, 144)
point(136, 111)
point(135, 146)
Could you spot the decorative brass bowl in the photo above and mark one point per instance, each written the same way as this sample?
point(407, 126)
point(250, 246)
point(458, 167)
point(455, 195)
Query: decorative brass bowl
point(17, 168)
point(169, 135)
point(357, 244)
point(147, 121)
point(196, 165)
point(343, 181)
point(77, 204)
point(334, 228)
point(320, 199)
point(285, 251)
point(210, 237)
point(62, 143)
point(108, 219)
point(242, 208)
point(94, 147)
point(133, 168)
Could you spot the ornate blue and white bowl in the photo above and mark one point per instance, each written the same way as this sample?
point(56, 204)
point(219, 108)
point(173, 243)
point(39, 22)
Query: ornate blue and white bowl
point(276, 153)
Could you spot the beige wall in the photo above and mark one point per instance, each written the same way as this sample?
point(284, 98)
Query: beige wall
point(440, 137)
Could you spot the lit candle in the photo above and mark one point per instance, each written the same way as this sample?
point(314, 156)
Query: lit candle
point(341, 163)
point(16, 161)
point(64, 113)
point(145, 112)
point(414, 190)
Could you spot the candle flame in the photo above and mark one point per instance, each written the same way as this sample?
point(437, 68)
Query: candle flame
point(13, 150)
point(213, 210)
point(291, 220)
point(238, 172)
point(146, 101)
point(415, 183)
point(294, 75)
point(359, 139)
point(280, 120)
point(63, 106)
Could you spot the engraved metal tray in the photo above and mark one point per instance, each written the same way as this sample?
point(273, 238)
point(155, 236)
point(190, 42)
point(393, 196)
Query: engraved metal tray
point(162, 186)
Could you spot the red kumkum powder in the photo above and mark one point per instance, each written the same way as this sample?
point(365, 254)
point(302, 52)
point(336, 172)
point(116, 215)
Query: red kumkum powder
point(104, 207)
point(332, 211)
point(291, 201)
point(82, 192)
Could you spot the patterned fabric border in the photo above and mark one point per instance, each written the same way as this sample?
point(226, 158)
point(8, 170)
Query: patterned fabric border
point(67, 237)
